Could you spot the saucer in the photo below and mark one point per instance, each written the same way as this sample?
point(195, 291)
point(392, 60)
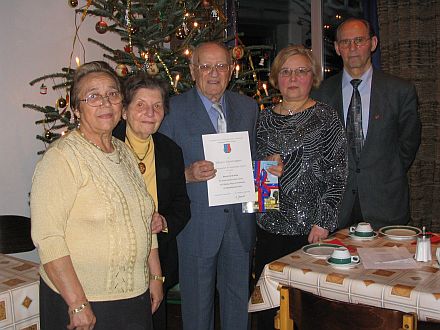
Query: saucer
point(360, 238)
point(400, 233)
point(343, 266)
point(320, 250)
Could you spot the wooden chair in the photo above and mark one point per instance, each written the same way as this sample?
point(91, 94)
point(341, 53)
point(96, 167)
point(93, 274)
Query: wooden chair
point(308, 311)
point(15, 234)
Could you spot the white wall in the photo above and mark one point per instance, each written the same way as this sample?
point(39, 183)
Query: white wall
point(36, 39)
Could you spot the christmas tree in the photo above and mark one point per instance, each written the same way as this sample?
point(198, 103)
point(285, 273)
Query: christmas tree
point(159, 36)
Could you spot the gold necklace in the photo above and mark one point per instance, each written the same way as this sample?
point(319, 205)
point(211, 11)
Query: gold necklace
point(293, 111)
point(116, 160)
point(141, 164)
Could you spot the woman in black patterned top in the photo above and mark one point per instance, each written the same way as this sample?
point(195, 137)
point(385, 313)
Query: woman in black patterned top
point(307, 138)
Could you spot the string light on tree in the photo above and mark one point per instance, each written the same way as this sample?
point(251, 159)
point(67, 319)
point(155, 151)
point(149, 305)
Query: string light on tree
point(265, 89)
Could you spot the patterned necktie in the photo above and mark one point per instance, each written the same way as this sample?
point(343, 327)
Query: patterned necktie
point(221, 121)
point(355, 134)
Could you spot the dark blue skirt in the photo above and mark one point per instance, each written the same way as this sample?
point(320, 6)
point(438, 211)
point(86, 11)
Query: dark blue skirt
point(124, 314)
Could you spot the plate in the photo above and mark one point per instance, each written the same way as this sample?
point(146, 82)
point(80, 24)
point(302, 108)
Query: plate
point(359, 238)
point(320, 250)
point(343, 266)
point(400, 233)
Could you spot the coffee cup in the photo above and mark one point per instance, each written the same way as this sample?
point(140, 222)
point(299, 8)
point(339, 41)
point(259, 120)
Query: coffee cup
point(341, 256)
point(363, 229)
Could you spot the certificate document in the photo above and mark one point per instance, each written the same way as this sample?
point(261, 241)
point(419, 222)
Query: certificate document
point(234, 180)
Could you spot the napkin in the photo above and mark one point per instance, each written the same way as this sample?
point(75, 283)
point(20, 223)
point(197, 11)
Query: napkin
point(387, 258)
point(338, 242)
point(434, 239)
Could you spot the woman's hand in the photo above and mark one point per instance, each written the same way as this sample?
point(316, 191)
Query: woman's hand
point(317, 234)
point(156, 294)
point(276, 170)
point(158, 223)
point(82, 320)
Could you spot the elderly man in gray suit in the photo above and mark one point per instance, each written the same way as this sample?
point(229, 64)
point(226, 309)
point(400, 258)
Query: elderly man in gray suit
point(215, 247)
point(383, 130)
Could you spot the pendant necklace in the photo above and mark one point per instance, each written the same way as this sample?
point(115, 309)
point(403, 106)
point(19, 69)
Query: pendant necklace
point(112, 156)
point(141, 165)
point(290, 112)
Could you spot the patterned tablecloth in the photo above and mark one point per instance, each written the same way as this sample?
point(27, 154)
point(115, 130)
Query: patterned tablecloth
point(413, 290)
point(19, 305)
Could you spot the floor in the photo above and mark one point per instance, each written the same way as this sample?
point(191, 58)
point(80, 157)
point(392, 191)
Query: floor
point(174, 320)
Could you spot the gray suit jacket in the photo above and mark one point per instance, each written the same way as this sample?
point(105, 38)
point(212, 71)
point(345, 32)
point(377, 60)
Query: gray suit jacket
point(390, 147)
point(186, 122)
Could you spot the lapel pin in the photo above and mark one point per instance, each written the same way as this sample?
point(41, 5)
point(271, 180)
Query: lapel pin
point(376, 116)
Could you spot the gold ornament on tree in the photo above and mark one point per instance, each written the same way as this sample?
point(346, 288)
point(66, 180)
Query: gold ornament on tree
point(152, 69)
point(72, 3)
point(121, 70)
point(61, 103)
point(48, 134)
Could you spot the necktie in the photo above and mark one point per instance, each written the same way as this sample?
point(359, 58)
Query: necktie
point(355, 135)
point(221, 121)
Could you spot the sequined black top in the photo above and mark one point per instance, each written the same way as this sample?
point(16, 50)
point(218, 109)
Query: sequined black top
point(313, 147)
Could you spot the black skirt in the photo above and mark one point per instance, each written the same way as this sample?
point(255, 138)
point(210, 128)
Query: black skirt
point(129, 314)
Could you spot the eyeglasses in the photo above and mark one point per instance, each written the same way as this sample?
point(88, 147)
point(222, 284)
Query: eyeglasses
point(96, 100)
point(358, 42)
point(298, 72)
point(206, 68)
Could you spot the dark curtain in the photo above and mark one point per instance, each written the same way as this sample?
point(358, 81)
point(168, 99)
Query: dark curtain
point(370, 14)
point(410, 46)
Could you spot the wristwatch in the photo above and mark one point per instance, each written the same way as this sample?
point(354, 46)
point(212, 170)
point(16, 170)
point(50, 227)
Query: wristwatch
point(157, 278)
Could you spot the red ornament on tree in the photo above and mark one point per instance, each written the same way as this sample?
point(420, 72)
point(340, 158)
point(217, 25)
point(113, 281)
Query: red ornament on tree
point(128, 48)
point(43, 89)
point(121, 70)
point(206, 4)
point(238, 52)
point(101, 27)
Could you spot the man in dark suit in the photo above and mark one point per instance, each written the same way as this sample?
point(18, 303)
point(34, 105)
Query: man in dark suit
point(388, 134)
point(215, 247)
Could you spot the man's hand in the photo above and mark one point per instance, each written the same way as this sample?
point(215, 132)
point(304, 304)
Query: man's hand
point(199, 171)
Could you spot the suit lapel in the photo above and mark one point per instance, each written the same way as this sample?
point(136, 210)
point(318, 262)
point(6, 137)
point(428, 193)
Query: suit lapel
point(335, 99)
point(233, 115)
point(376, 112)
point(199, 117)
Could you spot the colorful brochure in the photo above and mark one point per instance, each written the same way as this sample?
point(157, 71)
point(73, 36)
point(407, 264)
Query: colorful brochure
point(266, 189)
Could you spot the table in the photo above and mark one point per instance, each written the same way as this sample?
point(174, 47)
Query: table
point(414, 290)
point(19, 294)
